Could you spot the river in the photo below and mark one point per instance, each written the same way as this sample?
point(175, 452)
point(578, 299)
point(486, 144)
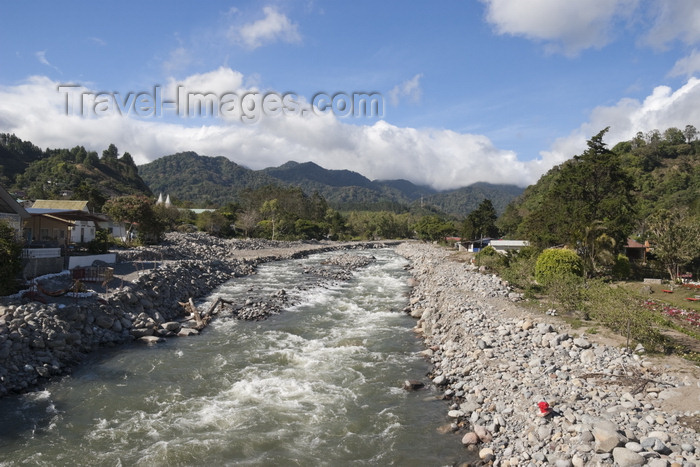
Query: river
point(318, 384)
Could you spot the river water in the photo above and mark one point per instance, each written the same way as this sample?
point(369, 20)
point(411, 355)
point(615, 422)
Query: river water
point(318, 384)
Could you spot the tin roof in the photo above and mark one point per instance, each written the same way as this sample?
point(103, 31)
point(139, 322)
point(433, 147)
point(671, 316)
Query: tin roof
point(64, 205)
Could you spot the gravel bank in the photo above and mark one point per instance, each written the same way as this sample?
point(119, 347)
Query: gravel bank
point(495, 363)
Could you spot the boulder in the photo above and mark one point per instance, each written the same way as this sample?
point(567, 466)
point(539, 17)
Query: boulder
point(470, 439)
point(626, 458)
point(413, 385)
point(150, 340)
point(141, 332)
point(172, 326)
point(606, 436)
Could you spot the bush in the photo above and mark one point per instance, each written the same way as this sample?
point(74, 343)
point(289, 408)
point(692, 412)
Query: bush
point(520, 269)
point(10, 259)
point(556, 264)
point(619, 310)
point(490, 258)
point(567, 291)
point(621, 269)
point(100, 244)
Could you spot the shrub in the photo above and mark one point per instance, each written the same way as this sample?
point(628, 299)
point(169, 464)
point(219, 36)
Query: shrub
point(520, 269)
point(100, 244)
point(490, 258)
point(619, 310)
point(555, 264)
point(10, 259)
point(621, 269)
point(567, 291)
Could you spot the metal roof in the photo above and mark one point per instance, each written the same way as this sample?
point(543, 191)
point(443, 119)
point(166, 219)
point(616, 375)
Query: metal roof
point(65, 205)
point(9, 205)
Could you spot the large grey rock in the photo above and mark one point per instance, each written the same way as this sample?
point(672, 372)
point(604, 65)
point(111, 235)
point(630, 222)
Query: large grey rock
point(606, 436)
point(582, 343)
point(141, 332)
point(172, 326)
point(626, 458)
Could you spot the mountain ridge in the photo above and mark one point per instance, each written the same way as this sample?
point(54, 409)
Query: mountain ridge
point(191, 177)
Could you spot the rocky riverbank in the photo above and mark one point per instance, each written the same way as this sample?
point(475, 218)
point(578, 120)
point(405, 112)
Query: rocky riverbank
point(498, 365)
point(39, 341)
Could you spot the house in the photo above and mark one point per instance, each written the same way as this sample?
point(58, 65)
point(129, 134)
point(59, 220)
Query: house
point(504, 246)
point(474, 246)
point(636, 251)
point(118, 230)
point(12, 212)
point(82, 224)
point(501, 246)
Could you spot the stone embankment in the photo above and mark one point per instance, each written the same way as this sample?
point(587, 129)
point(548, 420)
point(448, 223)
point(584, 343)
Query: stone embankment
point(39, 341)
point(495, 362)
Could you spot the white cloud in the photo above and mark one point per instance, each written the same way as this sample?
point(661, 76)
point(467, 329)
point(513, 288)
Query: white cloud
point(687, 66)
point(35, 111)
point(178, 59)
point(410, 89)
point(565, 26)
point(275, 26)
point(98, 41)
point(41, 56)
point(219, 81)
point(675, 20)
point(662, 109)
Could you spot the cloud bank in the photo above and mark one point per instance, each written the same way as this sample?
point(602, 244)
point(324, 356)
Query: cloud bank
point(443, 159)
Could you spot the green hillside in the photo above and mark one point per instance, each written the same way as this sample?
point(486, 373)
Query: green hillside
point(610, 190)
point(68, 173)
point(217, 180)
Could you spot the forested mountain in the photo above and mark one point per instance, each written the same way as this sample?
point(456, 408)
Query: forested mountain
point(610, 192)
point(467, 199)
point(68, 173)
point(188, 176)
point(201, 179)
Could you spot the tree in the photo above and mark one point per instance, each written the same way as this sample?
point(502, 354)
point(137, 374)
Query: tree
point(135, 210)
point(481, 222)
point(590, 188)
point(110, 155)
point(91, 159)
point(433, 228)
point(127, 159)
point(89, 193)
point(674, 136)
point(690, 133)
point(597, 248)
point(248, 220)
point(675, 238)
point(10, 259)
point(212, 222)
point(270, 209)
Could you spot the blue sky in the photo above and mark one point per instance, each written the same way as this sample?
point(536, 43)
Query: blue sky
point(487, 90)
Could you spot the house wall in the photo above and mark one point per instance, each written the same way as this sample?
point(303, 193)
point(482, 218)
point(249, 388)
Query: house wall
point(82, 232)
point(42, 229)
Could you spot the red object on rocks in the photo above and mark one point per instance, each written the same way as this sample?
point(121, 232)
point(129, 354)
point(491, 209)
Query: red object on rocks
point(545, 409)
